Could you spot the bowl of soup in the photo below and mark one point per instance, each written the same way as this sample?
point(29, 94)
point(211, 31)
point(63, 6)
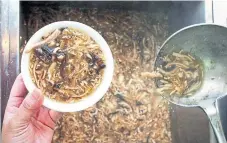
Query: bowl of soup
point(70, 62)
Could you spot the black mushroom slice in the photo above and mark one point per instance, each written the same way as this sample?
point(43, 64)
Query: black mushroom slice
point(62, 70)
point(46, 54)
point(63, 28)
point(57, 85)
point(47, 49)
point(101, 64)
point(43, 55)
point(95, 62)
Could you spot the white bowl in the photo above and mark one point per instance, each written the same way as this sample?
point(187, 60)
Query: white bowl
point(86, 101)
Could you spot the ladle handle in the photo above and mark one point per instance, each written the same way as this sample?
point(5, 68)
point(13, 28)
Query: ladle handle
point(213, 114)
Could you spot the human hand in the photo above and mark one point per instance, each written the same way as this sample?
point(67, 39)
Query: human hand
point(26, 120)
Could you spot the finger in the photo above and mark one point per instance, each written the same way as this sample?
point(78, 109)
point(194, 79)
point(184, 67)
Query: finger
point(18, 89)
point(18, 92)
point(48, 117)
point(31, 105)
point(54, 115)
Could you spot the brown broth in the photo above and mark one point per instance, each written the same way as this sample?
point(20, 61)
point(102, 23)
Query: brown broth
point(68, 67)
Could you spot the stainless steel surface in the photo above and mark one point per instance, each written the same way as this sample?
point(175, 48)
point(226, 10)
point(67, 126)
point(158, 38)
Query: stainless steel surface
point(221, 104)
point(9, 48)
point(206, 41)
point(185, 128)
point(0, 76)
point(214, 117)
point(220, 17)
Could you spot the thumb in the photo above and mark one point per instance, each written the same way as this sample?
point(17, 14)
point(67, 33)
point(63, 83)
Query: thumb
point(31, 104)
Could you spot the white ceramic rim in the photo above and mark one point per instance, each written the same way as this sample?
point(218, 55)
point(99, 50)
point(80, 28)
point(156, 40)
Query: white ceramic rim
point(86, 101)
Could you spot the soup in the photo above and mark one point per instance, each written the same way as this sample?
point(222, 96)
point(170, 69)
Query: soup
point(66, 65)
point(129, 112)
point(180, 74)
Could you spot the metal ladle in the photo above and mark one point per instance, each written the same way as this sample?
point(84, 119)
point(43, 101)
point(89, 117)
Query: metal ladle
point(209, 43)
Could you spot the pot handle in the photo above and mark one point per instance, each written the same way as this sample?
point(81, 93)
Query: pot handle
point(213, 115)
